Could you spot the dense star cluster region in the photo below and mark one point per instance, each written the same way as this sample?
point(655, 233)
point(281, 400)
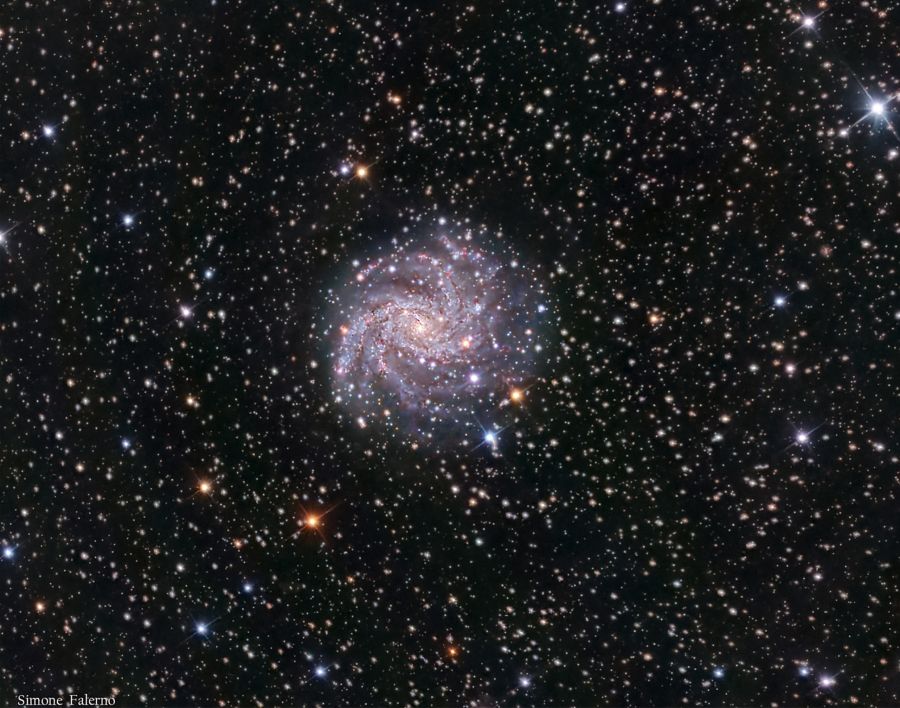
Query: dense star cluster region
point(437, 338)
point(502, 354)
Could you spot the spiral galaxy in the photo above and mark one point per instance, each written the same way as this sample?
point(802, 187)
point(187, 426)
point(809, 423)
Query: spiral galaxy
point(435, 337)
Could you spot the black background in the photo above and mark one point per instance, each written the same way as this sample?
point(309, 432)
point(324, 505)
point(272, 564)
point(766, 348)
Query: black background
point(697, 172)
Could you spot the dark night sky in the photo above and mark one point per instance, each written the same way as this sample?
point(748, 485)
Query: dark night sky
point(267, 268)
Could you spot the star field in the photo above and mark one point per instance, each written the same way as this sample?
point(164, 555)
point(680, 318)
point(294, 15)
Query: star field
point(398, 354)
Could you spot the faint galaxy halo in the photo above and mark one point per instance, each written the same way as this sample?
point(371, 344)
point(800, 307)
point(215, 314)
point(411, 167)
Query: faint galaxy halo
point(430, 337)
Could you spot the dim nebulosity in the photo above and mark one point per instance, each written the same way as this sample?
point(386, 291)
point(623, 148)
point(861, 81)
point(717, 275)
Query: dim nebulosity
point(512, 353)
point(435, 337)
